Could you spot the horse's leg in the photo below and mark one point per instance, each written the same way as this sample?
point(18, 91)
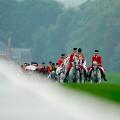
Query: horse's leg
point(78, 77)
point(75, 76)
point(99, 77)
point(91, 77)
point(61, 79)
point(71, 75)
point(58, 77)
point(66, 76)
point(83, 76)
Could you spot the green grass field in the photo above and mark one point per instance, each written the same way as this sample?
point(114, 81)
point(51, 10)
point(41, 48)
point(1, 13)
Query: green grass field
point(113, 78)
point(108, 90)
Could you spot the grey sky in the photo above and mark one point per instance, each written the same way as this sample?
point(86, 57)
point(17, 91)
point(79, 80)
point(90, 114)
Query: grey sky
point(72, 3)
point(68, 3)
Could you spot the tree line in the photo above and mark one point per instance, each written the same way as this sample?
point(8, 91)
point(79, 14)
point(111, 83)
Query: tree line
point(48, 28)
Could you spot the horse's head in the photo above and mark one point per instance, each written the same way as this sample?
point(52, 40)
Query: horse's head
point(95, 64)
point(60, 69)
point(76, 63)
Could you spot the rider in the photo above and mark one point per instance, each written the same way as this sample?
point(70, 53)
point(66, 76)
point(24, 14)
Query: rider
point(56, 65)
point(98, 58)
point(61, 60)
point(80, 52)
point(49, 67)
point(53, 67)
point(43, 68)
point(81, 57)
point(24, 66)
point(71, 59)
point(72, 55)
point(82, 60)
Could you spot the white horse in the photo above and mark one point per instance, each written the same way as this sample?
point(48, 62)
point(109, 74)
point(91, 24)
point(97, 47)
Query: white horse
point(76, 73)
point(52, 76)
point(61, 70)
point(95, 74)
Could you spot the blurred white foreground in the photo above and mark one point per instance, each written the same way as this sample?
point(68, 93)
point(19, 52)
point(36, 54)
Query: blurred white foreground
point(29, 97)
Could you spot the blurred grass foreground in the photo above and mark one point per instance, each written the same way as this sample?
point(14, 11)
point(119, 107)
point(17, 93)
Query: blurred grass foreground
point(108, 90)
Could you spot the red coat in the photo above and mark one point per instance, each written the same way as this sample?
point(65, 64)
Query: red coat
point(71, 60)
point(60, 62)
point(49, 69)
point(71, 57)
point(98, 59)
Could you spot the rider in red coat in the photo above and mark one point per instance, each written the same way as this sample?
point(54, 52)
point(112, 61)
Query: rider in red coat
point(49, 67)
point(98, 58)
point(61, 60)
point(71, 59)
point(72, 55)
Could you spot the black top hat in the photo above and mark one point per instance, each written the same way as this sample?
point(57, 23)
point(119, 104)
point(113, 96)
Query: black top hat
point(74, 48)
point(50, 62)
point(26, 64)
point(96, 51)
point(63, 55)
point(53, 64)
point(79, 50)
point(43, 63)
point(34, 63)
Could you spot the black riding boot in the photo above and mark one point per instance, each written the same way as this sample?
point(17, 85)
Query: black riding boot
point(67, 74)
point(89, 75)
point(103, 75)
point(85, 74)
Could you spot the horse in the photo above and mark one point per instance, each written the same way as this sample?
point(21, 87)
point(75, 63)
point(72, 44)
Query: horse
point(61, 72)
point(76, 73)
point(52, 76)
point(82, 74)
point(95, 75)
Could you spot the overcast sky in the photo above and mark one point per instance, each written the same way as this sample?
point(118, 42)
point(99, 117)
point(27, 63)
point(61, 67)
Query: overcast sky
point(72, 2)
